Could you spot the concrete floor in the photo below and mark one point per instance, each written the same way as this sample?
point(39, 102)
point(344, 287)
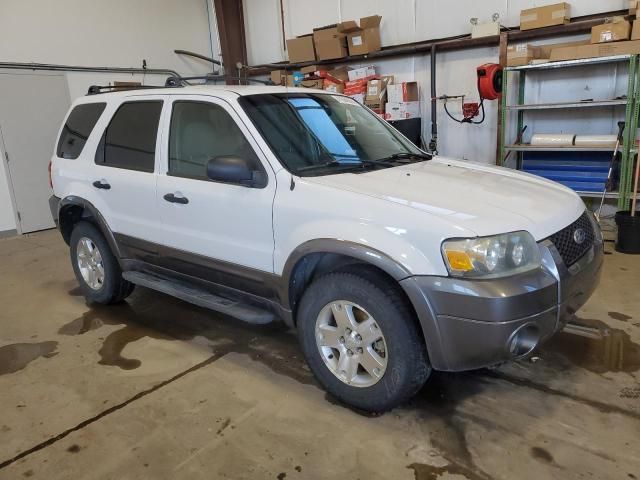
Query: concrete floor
point(157, 388)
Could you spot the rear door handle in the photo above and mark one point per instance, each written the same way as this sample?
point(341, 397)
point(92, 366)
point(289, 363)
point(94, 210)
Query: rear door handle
point(102, 184)
point(173, 198)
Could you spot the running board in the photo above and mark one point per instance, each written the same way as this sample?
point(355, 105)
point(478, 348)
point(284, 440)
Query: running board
point(197, 296)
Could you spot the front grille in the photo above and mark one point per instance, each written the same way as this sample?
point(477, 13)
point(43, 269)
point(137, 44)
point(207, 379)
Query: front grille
point(564, 240)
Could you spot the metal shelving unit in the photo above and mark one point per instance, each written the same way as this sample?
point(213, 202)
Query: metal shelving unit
point(632, 109)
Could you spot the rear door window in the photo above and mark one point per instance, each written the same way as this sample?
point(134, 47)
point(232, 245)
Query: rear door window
point(130, 139)
point(77, 129)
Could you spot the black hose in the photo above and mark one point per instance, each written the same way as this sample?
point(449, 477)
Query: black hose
point(433, 144)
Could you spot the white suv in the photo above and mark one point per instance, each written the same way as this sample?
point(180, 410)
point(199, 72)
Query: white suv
point(269, 203)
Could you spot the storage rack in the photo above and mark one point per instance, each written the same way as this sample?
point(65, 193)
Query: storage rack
point(632, 109)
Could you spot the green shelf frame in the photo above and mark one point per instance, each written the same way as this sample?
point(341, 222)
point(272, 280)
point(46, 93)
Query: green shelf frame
point(632, 112)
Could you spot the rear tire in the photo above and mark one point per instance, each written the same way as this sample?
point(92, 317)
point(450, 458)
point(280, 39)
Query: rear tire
point(96, 268)
point(396, 366)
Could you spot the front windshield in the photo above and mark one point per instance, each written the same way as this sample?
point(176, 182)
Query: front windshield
point(309, 131)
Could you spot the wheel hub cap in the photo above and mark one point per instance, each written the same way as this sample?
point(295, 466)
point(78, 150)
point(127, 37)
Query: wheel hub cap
point(351, 343)
point(90, 263)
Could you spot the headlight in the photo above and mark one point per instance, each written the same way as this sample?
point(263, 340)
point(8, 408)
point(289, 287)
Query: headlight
point(491, 257)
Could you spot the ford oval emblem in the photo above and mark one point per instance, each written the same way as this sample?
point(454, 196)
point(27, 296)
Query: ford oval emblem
point(579, 236)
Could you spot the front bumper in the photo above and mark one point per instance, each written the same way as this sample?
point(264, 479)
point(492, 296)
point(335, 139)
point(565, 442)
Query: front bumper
point(471, 324)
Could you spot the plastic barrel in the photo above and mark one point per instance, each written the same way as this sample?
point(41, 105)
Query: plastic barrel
point(628, 232)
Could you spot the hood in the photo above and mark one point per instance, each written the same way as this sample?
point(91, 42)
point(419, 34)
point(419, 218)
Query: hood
point(482, 198)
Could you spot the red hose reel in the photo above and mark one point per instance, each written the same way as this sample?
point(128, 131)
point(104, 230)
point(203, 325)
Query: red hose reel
point(489, 81)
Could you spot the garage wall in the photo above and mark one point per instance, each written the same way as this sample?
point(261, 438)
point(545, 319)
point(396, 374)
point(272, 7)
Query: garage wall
point(115, 33)
point(409, 21)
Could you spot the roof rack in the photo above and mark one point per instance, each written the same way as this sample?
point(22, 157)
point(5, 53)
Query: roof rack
point(96, 89)
point(208, 79)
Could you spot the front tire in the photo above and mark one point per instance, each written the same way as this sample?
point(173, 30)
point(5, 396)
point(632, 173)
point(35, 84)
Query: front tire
point(95, 266)
point(361, 340)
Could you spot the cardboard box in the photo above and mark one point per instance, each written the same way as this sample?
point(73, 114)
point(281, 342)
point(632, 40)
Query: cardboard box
point(340, 73)
point(301, 49)
point(314, 83)
point(635, 33)
point(282, 77)
point(614, 31)
point(310, 69)
point(522, 54)
point(633, 7)
point(596, 50)
point(330, 42)
point(403, 92)
point(359, 97)
point(361, 82)
point(363, 38)
point(545, 50)
point(333, 87)
point(362, 72)
point(556, 14)
point(376, 97)
point(401, 110)
point(378, 86)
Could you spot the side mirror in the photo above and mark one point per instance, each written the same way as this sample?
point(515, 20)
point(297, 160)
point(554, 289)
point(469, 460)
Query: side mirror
point(230, 169)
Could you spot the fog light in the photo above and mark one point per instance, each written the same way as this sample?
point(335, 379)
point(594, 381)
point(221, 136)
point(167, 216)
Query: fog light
point(523, 340)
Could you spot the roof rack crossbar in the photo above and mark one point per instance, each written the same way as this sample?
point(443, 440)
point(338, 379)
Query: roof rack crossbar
point(96, 89)
point(174, 81)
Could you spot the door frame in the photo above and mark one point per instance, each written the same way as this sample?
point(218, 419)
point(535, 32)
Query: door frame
point(12, 194)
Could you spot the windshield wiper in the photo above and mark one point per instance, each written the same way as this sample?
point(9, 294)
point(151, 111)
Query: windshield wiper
point(336, 163)
point(407, 156)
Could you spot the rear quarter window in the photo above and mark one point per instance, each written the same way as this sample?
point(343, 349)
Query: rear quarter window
point(77, 129)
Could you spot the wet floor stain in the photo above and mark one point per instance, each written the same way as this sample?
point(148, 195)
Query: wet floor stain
point(620, 316)
point(541, 454)
point(281, 476)
point(16, 356)
point(75, 448)
point(149, 314)
point(436, 405)
point(595, 346)
point(28, 473)
point(423, 471)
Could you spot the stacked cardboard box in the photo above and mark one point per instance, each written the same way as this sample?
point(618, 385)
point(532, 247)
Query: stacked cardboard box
point(403, 101)
point(317, 76)
point(614, 30)
point(547, 16)
point(363, 38)
point(301, 49)
point(376, 97)
point(596, 50)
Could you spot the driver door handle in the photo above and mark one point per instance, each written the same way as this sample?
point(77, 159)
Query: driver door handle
point(173, 198)
point(101, 184)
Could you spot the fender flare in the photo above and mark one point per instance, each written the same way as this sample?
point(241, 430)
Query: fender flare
point(88, 210)
point(349, 249)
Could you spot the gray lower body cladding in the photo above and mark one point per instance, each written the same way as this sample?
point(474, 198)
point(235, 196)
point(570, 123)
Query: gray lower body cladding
point(472, 324)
